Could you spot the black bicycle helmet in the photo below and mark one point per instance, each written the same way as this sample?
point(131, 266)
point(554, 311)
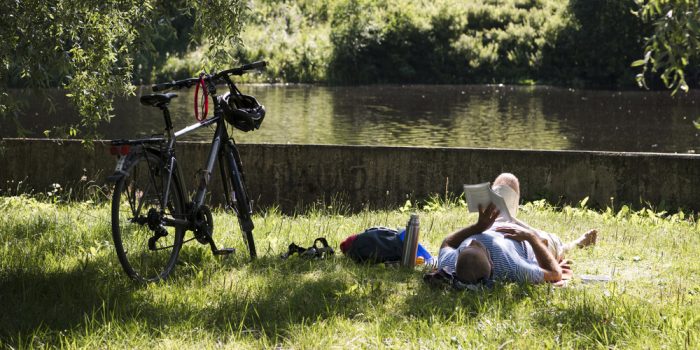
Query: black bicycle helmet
point(242, 111)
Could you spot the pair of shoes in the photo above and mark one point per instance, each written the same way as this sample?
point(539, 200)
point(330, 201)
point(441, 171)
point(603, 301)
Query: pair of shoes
point(313, 252)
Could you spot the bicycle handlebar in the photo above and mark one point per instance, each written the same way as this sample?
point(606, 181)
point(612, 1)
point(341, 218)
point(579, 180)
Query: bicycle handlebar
point(175, 84)
point(217, 77)
point(242, 69)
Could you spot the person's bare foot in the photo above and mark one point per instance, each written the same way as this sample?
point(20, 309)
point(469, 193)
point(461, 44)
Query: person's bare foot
point(587, 239)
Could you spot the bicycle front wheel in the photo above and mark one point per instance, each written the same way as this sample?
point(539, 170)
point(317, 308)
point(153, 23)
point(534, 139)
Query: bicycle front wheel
point(146, 245)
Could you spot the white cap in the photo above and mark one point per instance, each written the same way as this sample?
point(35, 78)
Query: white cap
point(510, 197)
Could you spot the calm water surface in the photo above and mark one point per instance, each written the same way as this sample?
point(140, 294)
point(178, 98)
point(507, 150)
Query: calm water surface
point(422, 115)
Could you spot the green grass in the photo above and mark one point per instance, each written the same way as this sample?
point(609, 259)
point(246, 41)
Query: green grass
point(61, 286)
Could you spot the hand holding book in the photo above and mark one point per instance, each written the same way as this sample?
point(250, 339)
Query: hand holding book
point(482, 195)
point(487, 216)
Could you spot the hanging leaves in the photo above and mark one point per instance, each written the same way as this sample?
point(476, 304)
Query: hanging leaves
point(674, 43)
point(88, 47)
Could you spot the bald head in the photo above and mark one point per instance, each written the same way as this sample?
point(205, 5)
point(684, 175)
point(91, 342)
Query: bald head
point(507, 186)
point(473, 263)
point(509, 180)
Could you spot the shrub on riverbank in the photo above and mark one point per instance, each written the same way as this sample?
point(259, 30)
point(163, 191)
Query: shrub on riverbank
point(597, 45)
point(575, 42)
point(61, 286)
point(443, 41)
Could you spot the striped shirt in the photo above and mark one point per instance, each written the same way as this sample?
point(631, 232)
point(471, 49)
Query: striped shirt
point(512, 260)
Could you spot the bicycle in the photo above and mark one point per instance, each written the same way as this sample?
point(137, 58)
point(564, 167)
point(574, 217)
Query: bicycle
point(150, 212)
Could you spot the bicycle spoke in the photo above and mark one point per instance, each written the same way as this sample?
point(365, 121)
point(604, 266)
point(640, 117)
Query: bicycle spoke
point(136, 203)
point(151, 171)
point(141, 200)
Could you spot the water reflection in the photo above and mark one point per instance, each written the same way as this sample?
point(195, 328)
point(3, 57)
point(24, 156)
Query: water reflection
point(470, 116)
point(644, 121)
point(427, 115)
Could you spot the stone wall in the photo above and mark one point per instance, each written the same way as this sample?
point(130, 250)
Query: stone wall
point(293, 176)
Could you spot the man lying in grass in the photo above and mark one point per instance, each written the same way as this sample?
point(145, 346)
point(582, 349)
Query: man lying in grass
point(494, 249)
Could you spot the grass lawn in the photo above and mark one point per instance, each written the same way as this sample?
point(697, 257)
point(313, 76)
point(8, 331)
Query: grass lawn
point(61, 286)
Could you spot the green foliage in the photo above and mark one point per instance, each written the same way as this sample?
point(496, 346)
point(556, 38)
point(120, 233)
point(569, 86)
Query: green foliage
point(675, 43)
point(218, 24)
point(83, 45)
point(597, 44)
point(88, 47)
point(292, 36)
point(584, 43)
point(179, 67)
point(160, 40)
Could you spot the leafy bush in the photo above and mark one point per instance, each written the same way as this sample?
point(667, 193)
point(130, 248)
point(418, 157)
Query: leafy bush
point(292, 36)
point(442, 41)
point(579, 42)
point(596, 47)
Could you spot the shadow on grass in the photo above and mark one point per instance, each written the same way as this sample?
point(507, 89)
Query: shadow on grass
point(445, 303)
point(32, 300)
point(269, 298)
point(305, 292)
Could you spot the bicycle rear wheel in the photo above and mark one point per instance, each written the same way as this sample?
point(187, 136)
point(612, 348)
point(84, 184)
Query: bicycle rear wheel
point(147, 248)
point(239, 200)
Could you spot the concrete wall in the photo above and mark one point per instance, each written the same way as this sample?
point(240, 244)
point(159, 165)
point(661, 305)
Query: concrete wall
point(292, 176)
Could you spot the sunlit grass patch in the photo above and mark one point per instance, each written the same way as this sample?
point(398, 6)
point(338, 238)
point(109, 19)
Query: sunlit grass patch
point(61, 285)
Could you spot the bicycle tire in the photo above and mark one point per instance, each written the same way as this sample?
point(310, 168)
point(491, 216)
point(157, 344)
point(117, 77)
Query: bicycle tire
point(241, 204)
point(137, 194)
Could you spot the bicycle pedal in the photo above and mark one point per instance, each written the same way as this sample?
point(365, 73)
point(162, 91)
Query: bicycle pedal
point(224, 251)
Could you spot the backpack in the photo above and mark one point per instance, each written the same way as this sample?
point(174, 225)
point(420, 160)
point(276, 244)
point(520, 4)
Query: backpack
point(376, 245)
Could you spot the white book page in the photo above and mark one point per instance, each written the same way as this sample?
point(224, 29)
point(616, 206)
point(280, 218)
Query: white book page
point(481, 194)
point(500, 203)
point(477, 195)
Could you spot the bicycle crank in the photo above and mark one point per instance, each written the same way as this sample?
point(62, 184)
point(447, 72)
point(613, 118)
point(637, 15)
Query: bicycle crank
point(204, 225)
point(204, 229)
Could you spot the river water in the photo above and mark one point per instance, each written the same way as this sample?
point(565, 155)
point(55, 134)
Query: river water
point(493, 116)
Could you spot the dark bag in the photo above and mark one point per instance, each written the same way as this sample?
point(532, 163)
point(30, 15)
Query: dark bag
point(375, 245)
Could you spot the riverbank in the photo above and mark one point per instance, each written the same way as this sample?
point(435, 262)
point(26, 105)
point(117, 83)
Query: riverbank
point(293, 177)
point(62, 286)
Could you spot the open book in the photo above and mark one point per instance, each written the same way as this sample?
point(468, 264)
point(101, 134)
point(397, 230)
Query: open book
point(482, 194)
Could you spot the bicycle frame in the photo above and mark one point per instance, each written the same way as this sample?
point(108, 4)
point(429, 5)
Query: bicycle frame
point(220, 136)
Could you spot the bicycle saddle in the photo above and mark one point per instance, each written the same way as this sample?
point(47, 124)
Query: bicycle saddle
point(157, 100)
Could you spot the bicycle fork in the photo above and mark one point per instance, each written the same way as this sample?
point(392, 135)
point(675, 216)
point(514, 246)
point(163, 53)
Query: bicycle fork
point(240, 205)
